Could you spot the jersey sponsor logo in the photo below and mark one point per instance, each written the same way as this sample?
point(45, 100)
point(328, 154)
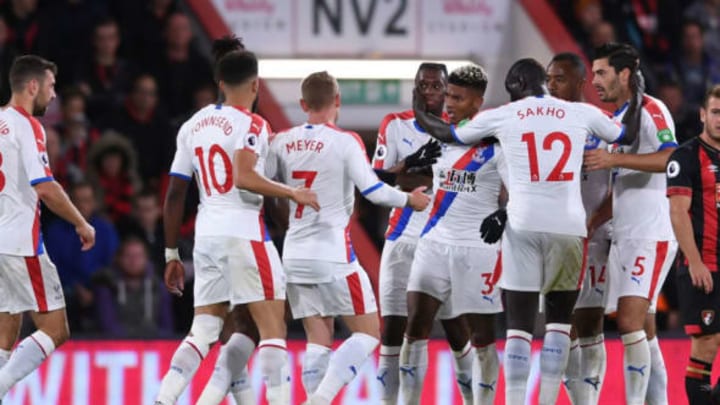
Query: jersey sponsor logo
point(673, 169)
point(456, 180)
point(708, 316)
point(665, 136)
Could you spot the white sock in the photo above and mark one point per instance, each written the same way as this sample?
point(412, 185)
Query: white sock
point(657, 385)
point(4, 357)
point(572, 373)
point(344, 365)
point(241, 388)
point(592, 368)
point(413, 366)
point(183, 366)
point(463, 365)
point(27, 356)
point(517, 365)
point(637, 366)
point(273, 357)
point(388, 374)
point(553, 360)
point(485, 369)
point(230, 371)
point(315, 364)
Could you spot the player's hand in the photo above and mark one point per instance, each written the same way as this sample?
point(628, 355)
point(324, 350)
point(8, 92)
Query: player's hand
point(597, 159)
point(175, 277)
point(701, 277)
point(304, 196)
point(425, 156)
point(493, 225)
point(417, 199)
point(86, 233)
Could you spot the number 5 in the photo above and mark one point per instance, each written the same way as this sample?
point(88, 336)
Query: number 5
point(639, 265)
point(309, 177)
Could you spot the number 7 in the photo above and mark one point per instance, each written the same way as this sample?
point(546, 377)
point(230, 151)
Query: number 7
point(309, 177)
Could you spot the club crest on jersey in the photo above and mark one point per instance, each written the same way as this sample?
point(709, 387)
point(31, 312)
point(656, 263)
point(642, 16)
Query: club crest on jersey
point(456, 180)
point(478, 156)
point(592, 142)
point(707, 316)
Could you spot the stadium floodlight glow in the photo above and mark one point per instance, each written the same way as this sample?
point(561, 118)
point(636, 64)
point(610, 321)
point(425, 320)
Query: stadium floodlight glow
point(366, 69)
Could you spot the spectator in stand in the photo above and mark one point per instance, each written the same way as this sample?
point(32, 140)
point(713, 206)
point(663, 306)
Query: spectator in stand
point(145, 223)
point(24, 23)
point(143, 22)
point(708, 13)
point(76, 135)
point(588, 14)
point(105, 77)
point(693, 67)
point(180, 68)
point(147, 127)
point(687, 120)
point(602, 33)
point(112, 168)
point(76, 270)
point(131, 301)
point(7, 54)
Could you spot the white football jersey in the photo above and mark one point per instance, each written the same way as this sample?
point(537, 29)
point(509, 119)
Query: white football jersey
point(206, 144)
point(399, 136)
point(23, 164)
point(640, 208)
point(331, 162)
point(595, 187)
point(467, 185)
point(543, 140)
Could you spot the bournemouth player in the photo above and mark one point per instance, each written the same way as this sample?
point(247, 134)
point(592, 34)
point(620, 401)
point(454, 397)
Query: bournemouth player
point(325, 279)
point(402, 148)
point(28, 279)
point(587, 361)
point(452, 266)
point(692, 188)
point(643, 244)
point(234, 259)
point(543, 140)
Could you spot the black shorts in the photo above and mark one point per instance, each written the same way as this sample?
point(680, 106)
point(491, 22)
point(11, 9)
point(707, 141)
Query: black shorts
point(700, 311)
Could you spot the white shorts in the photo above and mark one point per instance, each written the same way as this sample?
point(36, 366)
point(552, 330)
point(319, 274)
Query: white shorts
point(395, 263)
point(236, 270)
point(593, 293)
point(462, 278)
point(638, 268)
point(347, 296)
point(540, 261)
point(29, 284)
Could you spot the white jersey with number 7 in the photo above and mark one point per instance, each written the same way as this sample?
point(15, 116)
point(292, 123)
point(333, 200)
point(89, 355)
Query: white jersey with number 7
point(543, 139)
point(331, 162)
point(205, 147)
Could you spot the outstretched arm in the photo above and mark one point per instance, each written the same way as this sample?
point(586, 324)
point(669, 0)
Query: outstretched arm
point(432, 124)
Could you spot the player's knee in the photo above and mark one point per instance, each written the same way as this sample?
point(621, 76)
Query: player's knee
point(206, 329)
point(626, 323)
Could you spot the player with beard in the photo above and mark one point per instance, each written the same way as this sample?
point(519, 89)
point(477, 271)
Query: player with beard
point(643, 244)
point(29, 281)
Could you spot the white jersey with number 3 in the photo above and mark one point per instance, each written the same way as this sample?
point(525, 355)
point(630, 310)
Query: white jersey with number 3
point(206, 144)
point(543, 140)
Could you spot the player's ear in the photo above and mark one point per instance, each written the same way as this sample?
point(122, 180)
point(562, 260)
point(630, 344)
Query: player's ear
point(304, 106)
point(255, 85)
point(337, 100)
point(624, 76)
point(32, 86)
point(703, 114)
point(478, 102)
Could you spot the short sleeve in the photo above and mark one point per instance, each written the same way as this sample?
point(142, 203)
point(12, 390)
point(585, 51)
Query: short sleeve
point(483, 125)
point(386, 154)
point(34, 153)
point(601, 125)
point(182, 165)
point(681, 169)
point(659, 130)
point(252, 139)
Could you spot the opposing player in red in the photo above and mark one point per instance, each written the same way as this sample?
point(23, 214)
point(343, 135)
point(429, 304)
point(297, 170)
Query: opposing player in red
point(453, 267)
point(325, 279)
point(587, 361)
point(643, 244)
point(403, 148)
point(543, 140)
point(29, 281)
point(225, 147)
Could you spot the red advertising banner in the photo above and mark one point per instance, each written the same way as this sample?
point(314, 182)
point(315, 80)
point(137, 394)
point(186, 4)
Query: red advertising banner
point(129, 372)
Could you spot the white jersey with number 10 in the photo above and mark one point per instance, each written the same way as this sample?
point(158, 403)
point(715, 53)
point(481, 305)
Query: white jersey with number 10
point(543, 139)
point(206, 144)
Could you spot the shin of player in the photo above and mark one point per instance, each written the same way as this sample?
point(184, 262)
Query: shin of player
point(643, 243)
point(690, 183)
point(29, 281)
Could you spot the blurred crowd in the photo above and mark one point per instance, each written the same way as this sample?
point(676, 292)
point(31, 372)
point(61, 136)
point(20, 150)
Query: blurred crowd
point(131, 71)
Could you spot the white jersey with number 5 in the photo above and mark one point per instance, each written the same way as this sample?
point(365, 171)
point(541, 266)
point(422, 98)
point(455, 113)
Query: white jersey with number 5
point(331, 162)
point(23, 164)
point(543, 139)
point(206, 144)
